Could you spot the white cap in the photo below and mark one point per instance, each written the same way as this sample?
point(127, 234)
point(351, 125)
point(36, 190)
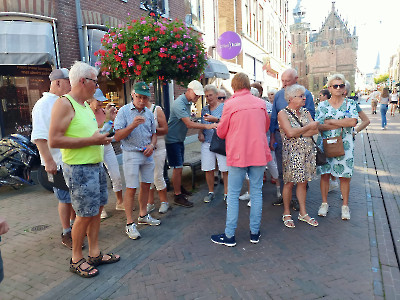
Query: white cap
point(197, 87)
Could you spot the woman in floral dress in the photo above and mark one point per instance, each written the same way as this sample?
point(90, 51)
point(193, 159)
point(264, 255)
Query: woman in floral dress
point(334, 114)
point(298, 152)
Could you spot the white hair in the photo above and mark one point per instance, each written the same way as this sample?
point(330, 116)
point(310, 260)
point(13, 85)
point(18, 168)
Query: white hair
point(211, 87)
point(254, 92)
point(222, 91)
point(81, 70)
point(290, 91)
point(335, 77)
point(272, 91)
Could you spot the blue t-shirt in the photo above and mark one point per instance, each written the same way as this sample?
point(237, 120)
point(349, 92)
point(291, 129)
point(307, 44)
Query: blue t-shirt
point(177, 130)
point(217, 112)
point(280, 103)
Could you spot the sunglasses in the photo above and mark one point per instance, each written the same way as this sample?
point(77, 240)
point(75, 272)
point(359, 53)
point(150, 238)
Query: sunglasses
point(338, 86)
point(220, 98)
point(94, 80)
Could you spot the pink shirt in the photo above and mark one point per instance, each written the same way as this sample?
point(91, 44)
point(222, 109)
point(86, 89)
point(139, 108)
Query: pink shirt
point(244, 125)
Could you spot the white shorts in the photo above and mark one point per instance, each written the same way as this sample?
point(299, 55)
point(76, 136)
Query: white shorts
point(208, 159)
point(135, 163)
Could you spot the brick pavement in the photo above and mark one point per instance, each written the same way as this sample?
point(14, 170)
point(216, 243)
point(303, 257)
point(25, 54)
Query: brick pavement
point(336, 260)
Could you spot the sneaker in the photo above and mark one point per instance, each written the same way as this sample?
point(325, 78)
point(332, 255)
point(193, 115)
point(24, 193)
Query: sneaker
point(132, 232)
point(341, 196)
point(163, 207)
point(185, 192)
point(278, 202)
point(333, 185)
point(103, 214)
point(119, 206)
point(150, 207)
point(245, 196)
point(222, 239)
point(210, 197)
point(249, 203)
point(225, 197)
point(255, 238)
point(295, 205)
point(182, 201)
point(66, 240)
point(149, 220)
point(323, 209)
point(345, 212)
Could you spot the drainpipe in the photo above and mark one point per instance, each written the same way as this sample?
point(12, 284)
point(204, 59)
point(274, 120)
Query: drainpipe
point(80, 30)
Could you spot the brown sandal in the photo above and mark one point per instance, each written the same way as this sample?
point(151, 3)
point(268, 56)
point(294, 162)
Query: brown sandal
point(98, 260)
point(76, 268)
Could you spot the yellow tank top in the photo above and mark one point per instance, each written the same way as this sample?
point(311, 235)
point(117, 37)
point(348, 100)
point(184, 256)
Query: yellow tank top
point(83, 124)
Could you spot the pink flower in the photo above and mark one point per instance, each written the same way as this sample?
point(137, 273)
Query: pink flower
point(114, 45)
point(143, 22)
point(97, 63)
point(146, 38)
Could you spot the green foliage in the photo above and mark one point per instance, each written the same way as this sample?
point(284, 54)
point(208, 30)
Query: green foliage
point(381, 78)
point(148, 50)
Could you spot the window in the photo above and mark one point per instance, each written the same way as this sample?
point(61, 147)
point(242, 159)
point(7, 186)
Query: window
point(254, 21)
point(261, 25)
point(193, 13)
point(162, 5)
point(247, 16)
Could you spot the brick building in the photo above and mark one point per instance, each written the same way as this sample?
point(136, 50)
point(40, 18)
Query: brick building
point(41, 35)
point(333, 49)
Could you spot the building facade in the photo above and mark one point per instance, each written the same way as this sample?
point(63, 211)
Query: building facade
point(333, 49)
point(47, 34)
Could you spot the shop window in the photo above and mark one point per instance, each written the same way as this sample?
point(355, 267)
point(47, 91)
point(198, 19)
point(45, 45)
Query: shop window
point(162, 6)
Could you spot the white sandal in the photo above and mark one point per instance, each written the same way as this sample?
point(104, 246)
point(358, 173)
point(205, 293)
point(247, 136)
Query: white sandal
point(286, 222)
point(310, 221)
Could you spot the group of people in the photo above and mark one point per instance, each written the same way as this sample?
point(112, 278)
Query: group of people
point(67, 124)
point(244, 125)
point(385, 98)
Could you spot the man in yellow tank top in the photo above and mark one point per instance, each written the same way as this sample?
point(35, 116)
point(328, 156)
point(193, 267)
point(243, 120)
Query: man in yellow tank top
point(73, 129)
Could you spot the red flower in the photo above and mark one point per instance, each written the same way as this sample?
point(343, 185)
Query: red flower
point(122, 47)
point(136, 47)
point(130, 27)
point(139, 67)
point(178, 36)
point(147, 62)
point(146, 50)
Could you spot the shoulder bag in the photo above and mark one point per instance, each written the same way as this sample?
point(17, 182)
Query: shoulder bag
point(217, 145)
point(321, 157)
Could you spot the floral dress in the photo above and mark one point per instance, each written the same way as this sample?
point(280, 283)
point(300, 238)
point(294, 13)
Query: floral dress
point(298, 153)
point(340, 166)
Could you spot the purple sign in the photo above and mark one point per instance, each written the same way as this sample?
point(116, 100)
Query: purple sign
point(229, 45)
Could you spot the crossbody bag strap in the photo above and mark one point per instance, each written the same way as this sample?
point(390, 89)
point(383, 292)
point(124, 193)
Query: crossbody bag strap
point(298, 121)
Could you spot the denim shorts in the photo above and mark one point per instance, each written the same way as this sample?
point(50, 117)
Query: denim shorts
point(175, 154)
point(88, 188)
point(62, 196)
point(134, 164)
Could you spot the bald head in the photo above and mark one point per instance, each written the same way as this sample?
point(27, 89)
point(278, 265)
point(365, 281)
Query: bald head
point(289, 77)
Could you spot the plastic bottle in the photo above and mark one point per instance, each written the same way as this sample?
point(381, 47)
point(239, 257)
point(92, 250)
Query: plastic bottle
point(106, 127)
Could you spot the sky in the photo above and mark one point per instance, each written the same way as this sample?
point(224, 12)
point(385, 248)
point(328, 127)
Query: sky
point(377, 25)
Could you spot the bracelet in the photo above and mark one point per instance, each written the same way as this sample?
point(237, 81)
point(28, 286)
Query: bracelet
point(152, 146)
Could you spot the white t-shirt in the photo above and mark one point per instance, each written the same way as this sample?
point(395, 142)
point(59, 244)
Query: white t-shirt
point(41, 115)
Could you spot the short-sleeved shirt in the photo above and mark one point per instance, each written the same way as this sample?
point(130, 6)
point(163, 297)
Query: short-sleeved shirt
point(280, 103)
point(176, 127)
point(141, 135)
point(217, 112)
point(41, 114)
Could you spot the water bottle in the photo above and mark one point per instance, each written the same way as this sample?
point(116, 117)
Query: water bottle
point(106, 127)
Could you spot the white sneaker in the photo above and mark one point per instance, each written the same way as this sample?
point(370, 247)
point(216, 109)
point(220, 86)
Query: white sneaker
point(333, 185)
point(245, 196)
point(132, 232)
point(249, 203)
point(323, 209)
point(119, 206)
point(150, 207)
point(345, 212)
point(103, 214)
point(149, 220)
point(163, 207)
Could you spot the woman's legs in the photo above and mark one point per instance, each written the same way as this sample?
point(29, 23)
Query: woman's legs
point(324, 185)
point(345, 189)
point(287, 198)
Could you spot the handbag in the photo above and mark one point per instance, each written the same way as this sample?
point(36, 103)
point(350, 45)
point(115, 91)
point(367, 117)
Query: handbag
point(58, 180)
point(217, 144)
point(321, 157)
point(333, 146)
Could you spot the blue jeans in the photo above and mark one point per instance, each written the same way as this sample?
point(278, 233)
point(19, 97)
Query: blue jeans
point(384, 109)
point(236, 176)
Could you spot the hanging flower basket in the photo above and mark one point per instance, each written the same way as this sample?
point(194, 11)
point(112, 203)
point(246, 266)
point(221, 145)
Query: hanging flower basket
point(148, 50)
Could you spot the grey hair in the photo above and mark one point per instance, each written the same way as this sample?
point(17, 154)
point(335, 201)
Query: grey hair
point(348, 86)
point(211, 87)
point(222, 91)
point(254, 92)
point(335, 77)
point(290, 91)
point(81, 70)
point(292, 72)
point(272, 91)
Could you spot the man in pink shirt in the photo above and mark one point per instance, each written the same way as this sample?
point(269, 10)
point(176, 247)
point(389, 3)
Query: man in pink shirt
point(244, 125)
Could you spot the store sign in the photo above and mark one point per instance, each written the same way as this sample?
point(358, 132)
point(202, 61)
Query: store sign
point(22, 71)
point(229, 45)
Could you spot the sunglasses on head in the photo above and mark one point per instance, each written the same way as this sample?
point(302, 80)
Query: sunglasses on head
point(220, 98)
point(338, 86)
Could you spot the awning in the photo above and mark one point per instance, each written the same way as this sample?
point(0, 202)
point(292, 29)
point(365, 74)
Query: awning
point(26, 43)
point(216, 68)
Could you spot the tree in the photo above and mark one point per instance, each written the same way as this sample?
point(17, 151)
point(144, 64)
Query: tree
point(381, 78)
